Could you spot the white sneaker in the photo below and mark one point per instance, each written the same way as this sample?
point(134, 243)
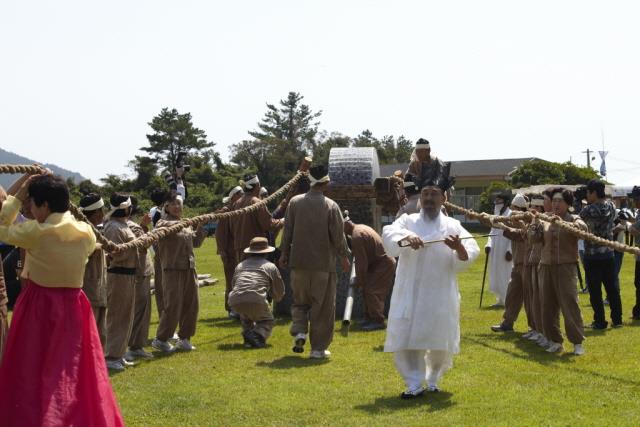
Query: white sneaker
point(132, 355)
point(554, 347)
point(528, 334)
point(174, 338)
point(319, 354)
point(115, 365)
point(126, 363)
point(185, 345)
point(543, 341)
point(433, 388)
point(535, 336)
point(163, 346)
point(578, 350)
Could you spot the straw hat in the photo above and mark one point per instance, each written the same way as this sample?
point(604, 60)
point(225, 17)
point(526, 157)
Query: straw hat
point(259, 245)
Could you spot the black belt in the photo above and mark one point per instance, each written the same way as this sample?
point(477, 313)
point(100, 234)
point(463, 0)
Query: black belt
point(122, 270)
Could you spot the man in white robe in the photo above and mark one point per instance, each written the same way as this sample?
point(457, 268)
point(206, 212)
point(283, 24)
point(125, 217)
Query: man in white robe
point(498, 249)
point(423, 328)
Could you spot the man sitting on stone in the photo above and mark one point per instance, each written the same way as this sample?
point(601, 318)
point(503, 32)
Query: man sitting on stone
point(254, 281)
point(374, 271)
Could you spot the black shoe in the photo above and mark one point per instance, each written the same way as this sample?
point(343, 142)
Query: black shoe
point(636, 317)
point(502, 328)
point(255, 340)
point(372, 326)
point(298, 343)
point(616, 325)
point(412, 394)
point(596, 326)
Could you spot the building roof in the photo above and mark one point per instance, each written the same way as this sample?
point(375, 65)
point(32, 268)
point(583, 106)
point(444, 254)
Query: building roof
point(468, 168)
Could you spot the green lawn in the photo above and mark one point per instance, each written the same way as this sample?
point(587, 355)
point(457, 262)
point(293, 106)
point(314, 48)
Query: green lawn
point(496, 380)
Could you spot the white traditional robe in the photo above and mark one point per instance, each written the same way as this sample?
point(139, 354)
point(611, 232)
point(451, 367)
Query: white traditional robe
point(499, 267)
point(423, 329)
point(425, 304)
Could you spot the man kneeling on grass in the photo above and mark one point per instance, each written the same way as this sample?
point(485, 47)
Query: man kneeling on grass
point(255, 281)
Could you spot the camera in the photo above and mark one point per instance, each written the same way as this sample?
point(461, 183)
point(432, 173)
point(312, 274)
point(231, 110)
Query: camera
point(180, 161)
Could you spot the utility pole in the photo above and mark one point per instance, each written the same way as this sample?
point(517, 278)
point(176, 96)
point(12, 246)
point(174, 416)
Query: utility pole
point(588, 153)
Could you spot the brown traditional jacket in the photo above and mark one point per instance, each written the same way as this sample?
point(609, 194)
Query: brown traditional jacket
point(313, 233)
point(254, 279)
point(368, 253)
point(145, 266)
point(95, 280)
point(119, 232)
point(254, 224)
point(224, 237)
point(176, 250)
point(518, 247)
point(560, 246)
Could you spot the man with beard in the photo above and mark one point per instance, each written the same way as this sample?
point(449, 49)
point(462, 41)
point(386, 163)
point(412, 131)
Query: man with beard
point(423, 328)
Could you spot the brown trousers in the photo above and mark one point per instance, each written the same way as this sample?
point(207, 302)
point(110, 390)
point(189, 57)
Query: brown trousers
point(4, 329)
point(141, 313)
point(100, 314)
point(560, 294)
point(181, 304)
point(157, 285)
point(376, 290)
point(256, 317)
point(528, 297)
point(229, 264)
point(314, 306)
point(121, 293)
point(514, 299)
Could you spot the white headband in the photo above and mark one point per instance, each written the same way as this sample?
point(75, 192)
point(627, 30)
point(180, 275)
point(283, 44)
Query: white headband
point(123, 205)
point(422, 146)
point(253, 181)
point(235, 190)
point(537, 202)
point(93, 206)
point(318, 181)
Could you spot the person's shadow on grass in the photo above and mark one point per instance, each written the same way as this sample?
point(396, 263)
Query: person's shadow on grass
point(434, 401)
point(290, 362)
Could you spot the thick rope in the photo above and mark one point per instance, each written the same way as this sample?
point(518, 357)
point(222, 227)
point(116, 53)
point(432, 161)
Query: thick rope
point(529, 217)
point(159, 233)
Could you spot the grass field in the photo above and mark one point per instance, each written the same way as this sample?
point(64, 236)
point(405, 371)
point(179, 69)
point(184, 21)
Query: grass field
point(496, 380)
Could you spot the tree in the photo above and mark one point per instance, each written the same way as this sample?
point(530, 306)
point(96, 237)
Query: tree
point(173, 133)
point(404, 148)
point(285, 135)
point(326, 143)
point(486, 197)
point(539, 172)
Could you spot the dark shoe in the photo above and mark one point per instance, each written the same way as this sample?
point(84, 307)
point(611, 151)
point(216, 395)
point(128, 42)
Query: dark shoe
point(502, 328)
point(255, 340)
point(411, 394)
point(298, 343)
point(261, 342)
point(234, 315)
point(373, 326)
point(597, 326)
point(616, 325)
point(635, 317)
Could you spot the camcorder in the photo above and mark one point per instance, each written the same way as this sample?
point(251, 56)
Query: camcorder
point(180, 161)
point(579, 195)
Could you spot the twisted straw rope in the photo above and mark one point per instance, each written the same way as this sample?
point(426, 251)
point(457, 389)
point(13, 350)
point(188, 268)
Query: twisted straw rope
point(571, 228)
point(159, 233)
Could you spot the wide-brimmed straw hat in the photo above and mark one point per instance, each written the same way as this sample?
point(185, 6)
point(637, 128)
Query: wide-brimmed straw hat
point(259, 245)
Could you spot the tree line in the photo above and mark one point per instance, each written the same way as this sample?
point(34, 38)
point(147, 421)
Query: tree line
point(288, 131)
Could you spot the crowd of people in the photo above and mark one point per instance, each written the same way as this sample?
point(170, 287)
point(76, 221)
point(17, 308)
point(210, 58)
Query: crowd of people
point(543, 261)
point(83, 311)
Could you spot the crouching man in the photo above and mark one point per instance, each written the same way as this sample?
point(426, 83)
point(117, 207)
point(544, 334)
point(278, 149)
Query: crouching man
point(255, 281)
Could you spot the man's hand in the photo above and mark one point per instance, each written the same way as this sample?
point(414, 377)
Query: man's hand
point(414, 241)
point(283, 261)
point(455, 243)
point(508, 256)
point(487, 250)
point(346, 265)
point(146, 220)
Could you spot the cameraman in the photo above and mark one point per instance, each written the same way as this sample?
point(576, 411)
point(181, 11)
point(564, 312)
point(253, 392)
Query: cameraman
point(634, 230)
point(599, 261)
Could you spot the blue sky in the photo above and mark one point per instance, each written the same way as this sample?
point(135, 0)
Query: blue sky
point(79, 80)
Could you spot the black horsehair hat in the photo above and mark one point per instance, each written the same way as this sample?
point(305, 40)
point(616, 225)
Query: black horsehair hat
point(442, 180)
point(635, 192)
